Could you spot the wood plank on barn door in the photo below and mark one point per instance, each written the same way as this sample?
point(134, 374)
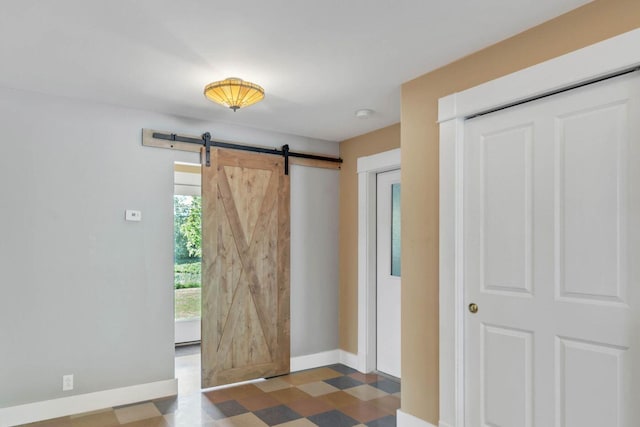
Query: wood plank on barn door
point(245, 268)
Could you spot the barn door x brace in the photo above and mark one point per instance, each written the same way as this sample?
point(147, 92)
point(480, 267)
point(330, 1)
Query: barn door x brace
point(206, 141)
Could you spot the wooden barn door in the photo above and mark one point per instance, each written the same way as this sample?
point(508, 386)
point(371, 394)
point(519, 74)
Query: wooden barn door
point(245, 267)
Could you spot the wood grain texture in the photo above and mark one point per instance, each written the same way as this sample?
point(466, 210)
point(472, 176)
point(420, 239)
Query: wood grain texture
point(284, 257)
point(245, 243)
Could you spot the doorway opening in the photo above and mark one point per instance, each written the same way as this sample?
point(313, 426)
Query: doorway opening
point(369, 168)
point(388, 283)
point(187, 208)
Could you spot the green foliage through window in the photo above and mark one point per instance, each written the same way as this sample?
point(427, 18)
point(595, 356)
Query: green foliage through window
point(191, 228)
point(187, 235)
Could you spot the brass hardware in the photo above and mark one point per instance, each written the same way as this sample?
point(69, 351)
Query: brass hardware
point(473, 307)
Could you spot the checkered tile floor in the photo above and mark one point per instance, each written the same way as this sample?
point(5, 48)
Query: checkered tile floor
point(333, 396)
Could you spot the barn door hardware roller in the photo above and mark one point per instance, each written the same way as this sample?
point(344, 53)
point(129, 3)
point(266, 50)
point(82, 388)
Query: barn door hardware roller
point(207, 143)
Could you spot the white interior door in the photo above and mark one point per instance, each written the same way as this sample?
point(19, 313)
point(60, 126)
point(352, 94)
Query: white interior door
point(388, 273)
point(551, 248)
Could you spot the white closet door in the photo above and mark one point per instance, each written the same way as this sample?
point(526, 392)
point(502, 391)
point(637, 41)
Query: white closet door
point(388, 273)
point(552, 251)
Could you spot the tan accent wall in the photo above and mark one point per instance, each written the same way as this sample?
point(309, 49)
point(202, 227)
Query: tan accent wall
point(365, 145)
point(589, 24)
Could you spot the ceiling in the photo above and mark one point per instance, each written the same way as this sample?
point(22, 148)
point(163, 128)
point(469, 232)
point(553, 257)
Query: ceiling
point(319, 61)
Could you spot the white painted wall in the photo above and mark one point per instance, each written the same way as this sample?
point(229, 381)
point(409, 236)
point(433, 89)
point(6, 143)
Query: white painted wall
point(85, 292)
point(314, 260)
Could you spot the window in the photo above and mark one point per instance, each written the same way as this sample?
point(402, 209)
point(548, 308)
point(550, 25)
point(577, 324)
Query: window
point(395, 230)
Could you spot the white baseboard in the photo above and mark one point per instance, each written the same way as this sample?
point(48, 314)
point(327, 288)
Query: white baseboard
point(404, 419)
point(349, 359)
point(47, 409)
point(310, 361)
point(443, 424)
point(316, 360)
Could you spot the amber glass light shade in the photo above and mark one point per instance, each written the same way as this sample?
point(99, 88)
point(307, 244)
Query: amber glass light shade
point(234, 93)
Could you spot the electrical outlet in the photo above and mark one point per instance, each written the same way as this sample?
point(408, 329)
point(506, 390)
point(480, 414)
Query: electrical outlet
point(67, 382)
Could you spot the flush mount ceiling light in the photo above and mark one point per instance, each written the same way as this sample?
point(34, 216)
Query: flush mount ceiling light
point(234, 93)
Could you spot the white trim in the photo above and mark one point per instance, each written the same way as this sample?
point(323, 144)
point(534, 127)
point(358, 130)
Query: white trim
point(368, 167)
point(381, 162)
point(404, 419)
point(443, 424)
point(316, 360)
point(349, 359)
point(80, 403)
point(187, 190)
point(591, 62)
point(187, 330)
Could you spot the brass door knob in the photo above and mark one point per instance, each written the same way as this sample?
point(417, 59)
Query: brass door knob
point(473, 307)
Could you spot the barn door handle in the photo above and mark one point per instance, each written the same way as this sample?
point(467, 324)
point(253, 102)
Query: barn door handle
point(473, 307)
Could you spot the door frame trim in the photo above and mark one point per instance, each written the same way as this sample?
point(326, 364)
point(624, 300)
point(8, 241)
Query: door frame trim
point(368, 168)
point(598, 60)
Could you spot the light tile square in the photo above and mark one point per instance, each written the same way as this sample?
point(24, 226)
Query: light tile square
point(366, 392)
point(318, 388)
point(302, 422)
point(273, 384)
point(132, 413)
point(390, 403)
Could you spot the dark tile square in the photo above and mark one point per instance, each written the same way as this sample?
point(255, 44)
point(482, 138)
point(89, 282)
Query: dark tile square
point(167, 406)
point(387, 385)
point(366, 378)
point(342, 369)
point(332, 419)
point(343, 382)
point(230, 408)
point(389, 421)
point(277, 415)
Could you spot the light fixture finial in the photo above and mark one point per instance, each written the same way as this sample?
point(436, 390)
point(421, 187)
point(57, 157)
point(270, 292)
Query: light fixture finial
point(364, 113)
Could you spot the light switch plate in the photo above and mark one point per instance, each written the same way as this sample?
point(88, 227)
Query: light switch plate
point(67, 382)
point(131, 215)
